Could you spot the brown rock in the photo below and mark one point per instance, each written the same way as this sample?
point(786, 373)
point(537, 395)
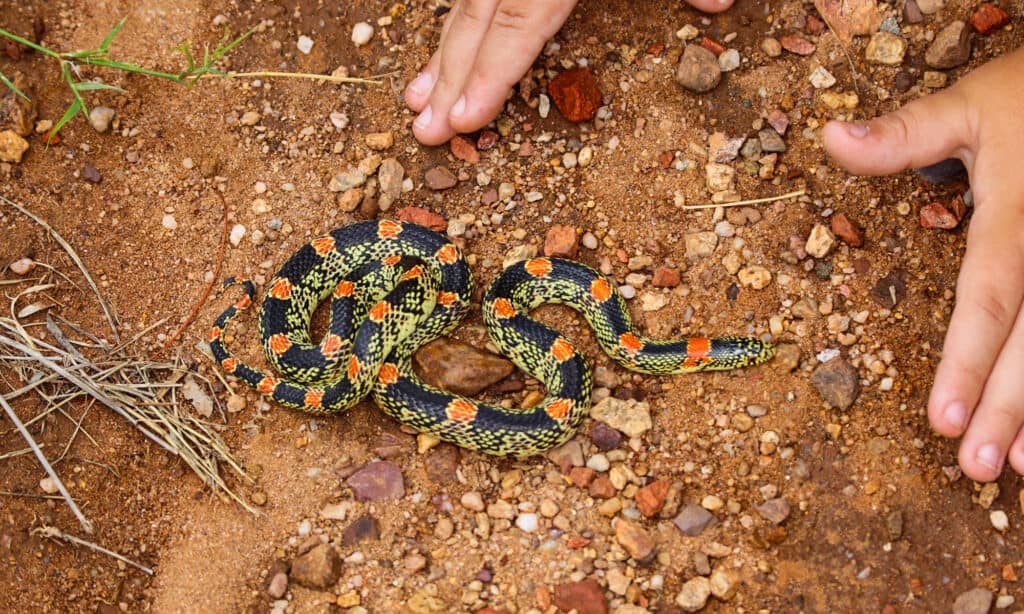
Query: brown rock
point(797, 44)
point(989, 17)
point(935, 215)
point(636, 541)
point(441, 463)
point(582, 476)
point(774, 510)
point(698, 69)
point(576, 94)
point(585, 596)
point(912, 13)
point(604, 437)
point(12, 146)
point(463, 149)
point(423, 217)
point(951, 47)
point(651, 498)
point(439, 178)
point(837, 383)
point(850, 18)
point(91, 174)
point(486, 140)
point(362, 529)
point(349, 199)
point(693, 519)
point(779, 120)
point(602, 488)
point(847, 231)
point(377, 481)
point(16, 113)
point(460, 367)
point(665, 277)
point(561, 242)
point(317, 569)
point(712, 45)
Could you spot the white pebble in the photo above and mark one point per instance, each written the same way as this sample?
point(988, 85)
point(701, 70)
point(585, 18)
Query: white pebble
point(188, 164)
point(543, 106)
point(627, 291)
point(48, 485)
point(305, 44)
point(585, 156)
point(589, 240)
point(23, 266)
point(527, 522)
point(237, 232)
point(362, 32)
point(999, 520)
point(339, 120)
point(100, 118)
point(729, 60)
point(169, 222)
point(305, 528)
point(260, 187)
point(598, 462)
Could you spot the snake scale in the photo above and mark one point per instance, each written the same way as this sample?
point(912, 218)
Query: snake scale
point(396, 286)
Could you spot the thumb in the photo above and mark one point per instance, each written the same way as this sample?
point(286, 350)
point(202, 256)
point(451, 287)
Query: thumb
point(921, 133)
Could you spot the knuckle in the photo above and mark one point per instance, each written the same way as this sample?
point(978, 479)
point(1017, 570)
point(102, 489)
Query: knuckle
point(511, 16)
point(477, 11)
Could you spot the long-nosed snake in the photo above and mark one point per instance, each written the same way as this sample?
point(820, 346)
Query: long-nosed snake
point(396, 286)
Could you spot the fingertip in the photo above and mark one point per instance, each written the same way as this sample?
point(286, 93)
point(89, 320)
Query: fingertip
point(417, 93)
point(430, 128)
point(949, 419)
point(982, 463)
point(475, 109)
point(710, 6)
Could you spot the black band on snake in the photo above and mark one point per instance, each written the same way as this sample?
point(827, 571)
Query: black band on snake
point(397, 286)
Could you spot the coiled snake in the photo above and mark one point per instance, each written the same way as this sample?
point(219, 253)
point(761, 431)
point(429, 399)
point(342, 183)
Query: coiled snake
point(396, 286)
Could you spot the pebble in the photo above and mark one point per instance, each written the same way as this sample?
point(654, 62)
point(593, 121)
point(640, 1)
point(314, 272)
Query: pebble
point(936, 215)
point(700, 244)
point(774, 510)
point(698, 69)
point(999, 520)
point(797, 44)
point(771, 47)
point(414, 563)
point(249, 118)
point(627, 291)
point(561, 242)
point(377, 481)
point(236, 403)
point(439, 178)
point(634, 539)
point(712, 503)
point(693, 519)
point(364, 528)
point(847, 231)
point(989, 18)
point(47, 485)
point(472, 501)
point(820, 242)
point(91, 174)
point(821, 78)
point(756, 277)
point(724, 584)
point(598, 462)
point(350, 178)
point(362, 32)
point(390, 175)
point(886, 48)
point(442, 461)
point(527, 522)
point(585, 156)
point(771, 141)
point(585, 597)
point(651, 498)
point(719, 177)
point(339, 120)
point(687, 32)
point(422, 217)
point(975, 601)
point(459, 367)
point(463, 149)
point(631, 417)
point(604, 437)
point(237, 232)
point(576, 94)
point(336, 511)
point(589, 240)
point(12, 146)
point(724, 149)
point(837, 383)
point(100, 118)
point(22, 266)
point(694, 594)
point(729, 61)
point(317, 569)
point(379, 141)
point(278, 585)
point(930, 7)
point(951, 47)
point(304, 44)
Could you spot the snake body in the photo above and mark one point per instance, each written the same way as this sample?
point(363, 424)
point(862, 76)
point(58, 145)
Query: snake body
point(397, 286)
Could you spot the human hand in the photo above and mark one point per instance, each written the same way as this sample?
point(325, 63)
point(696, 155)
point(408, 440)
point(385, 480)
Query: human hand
point(486, 47)
point(979, 385)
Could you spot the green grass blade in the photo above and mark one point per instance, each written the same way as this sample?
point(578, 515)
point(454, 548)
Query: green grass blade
point(28, 43)
point(75, 107)
point(66, 73)
point(7, 82)
point(89, 86)
point(105, 45)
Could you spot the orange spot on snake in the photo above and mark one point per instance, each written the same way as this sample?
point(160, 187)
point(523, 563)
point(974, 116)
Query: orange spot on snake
point(389, 229)
point(503, 308)
point(392, 260)
point(562, 350)
point(267, 385)
point(330, 345)
point(279, 343)
point(215, 333)
point(413, 273)
point(388, 374)
point(314, 398)
point(558, 408)
point(447, 299)
point(631, 343)
point(323, 245)
point(345, 288)
point(229, 364)
point(600, 289)
point(353, 367)
point(461, 410)
point(538, 267)
point(379, 311)
point(448, 254)
point(282, 289)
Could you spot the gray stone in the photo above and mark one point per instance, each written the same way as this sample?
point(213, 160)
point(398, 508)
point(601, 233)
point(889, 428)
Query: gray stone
point(693, 519)
point(975, 601)
point(951, 47)
point(837, 383)
point(698, 69)
point(318, 569)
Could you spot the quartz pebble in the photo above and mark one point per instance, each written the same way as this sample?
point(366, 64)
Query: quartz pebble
point(362, 32)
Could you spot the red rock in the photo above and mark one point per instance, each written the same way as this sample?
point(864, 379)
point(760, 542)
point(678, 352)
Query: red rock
point(656, 49)
point(989, 17)
point(797, 44)
point(1009, 573)
point(665, 158)
point(651, 498)
point(486, 140)
point(602, 488)
point(934, 215)
point(526, 149)
point(585, 597)
point(578, 541)
point(889, 609)
point(846, 230)
point(576, 94)
point(712, 45)
point(637, 541)
point(665, 277)
point(815, 26)
point(581, 476)
point(463, 149)
point(423, 217)
point(561, 242)
point(439, 178)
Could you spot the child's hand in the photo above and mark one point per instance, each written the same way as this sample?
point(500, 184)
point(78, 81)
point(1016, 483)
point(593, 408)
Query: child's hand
point(486, 47)
point(979, 385)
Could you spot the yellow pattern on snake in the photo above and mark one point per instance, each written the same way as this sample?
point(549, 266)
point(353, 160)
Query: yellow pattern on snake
point(395, 286)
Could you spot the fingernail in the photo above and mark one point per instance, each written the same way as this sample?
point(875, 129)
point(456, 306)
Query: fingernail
point(422, 83)
point(990, 456)
point(459, 107)
point(956, 415)
point(857, 130)
point(423, 121)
